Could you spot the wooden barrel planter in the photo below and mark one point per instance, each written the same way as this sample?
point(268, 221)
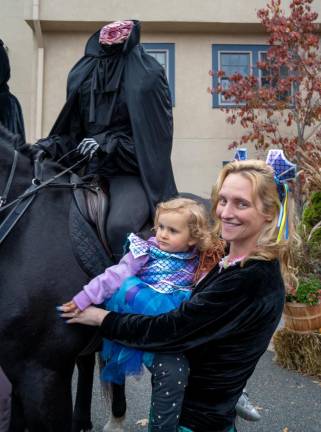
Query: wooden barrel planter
point(302, 318)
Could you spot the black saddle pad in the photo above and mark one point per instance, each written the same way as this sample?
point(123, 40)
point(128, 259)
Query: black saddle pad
point(86, 245)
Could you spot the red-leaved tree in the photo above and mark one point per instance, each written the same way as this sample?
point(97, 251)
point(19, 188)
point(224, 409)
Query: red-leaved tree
point(282, 108)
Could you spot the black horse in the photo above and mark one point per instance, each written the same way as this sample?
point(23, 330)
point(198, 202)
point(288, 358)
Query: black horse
point(38, 271)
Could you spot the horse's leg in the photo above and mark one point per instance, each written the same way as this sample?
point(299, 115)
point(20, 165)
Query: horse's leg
point(118, 402)
point(115, 399)
point(17, 422)
point(115, 394)
point(82, 410)
point(46, 399)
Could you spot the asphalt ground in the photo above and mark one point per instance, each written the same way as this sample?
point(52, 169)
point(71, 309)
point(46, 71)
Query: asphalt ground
point(286, 400)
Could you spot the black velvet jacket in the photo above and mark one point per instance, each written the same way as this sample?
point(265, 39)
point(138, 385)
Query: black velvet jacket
point(224, 329)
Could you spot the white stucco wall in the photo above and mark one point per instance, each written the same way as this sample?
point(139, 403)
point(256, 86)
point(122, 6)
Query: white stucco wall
point(201, 134)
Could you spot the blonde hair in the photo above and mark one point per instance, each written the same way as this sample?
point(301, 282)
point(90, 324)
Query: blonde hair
point(261, 176)
point(197, 219)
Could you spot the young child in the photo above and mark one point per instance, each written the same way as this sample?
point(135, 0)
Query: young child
point(156, 276)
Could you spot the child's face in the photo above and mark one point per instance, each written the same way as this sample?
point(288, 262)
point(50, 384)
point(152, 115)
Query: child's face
point(172, 232)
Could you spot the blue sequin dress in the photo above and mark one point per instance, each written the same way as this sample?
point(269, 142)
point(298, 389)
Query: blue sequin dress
point(163, 283)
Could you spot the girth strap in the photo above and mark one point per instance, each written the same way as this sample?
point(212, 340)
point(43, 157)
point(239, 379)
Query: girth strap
point(15, 214)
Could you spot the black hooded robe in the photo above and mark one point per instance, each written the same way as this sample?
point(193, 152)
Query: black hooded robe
point(119, 95)
point(10, 110)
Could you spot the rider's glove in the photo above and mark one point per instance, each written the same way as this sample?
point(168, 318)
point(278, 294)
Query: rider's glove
point(88, 147)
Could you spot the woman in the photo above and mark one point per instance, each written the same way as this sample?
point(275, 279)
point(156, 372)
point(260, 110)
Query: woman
point(227, 324)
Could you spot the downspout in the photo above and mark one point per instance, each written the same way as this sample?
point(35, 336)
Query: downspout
point(40, 66)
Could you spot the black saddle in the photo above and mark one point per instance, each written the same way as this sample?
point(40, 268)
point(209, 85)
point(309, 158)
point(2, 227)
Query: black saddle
point(87, 222)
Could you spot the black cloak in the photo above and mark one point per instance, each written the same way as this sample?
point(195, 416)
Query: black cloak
point(10, 109)
point(223, 329)
point(119, 95)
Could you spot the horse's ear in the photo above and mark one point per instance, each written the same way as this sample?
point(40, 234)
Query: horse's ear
point(10, 139)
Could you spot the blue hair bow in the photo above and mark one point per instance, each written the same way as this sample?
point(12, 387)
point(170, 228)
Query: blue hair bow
point(284, 170)
point(241, 154)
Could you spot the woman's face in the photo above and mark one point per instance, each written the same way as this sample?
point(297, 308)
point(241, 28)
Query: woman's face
point(242, 220)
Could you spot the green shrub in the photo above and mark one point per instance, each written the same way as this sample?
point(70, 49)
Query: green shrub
point(312, 213)
point(314, 245)
point(308, 291)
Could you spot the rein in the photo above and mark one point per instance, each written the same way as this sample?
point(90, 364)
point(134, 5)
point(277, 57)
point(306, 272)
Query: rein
point(3, 197)
point(38, 184)
point(25, 199)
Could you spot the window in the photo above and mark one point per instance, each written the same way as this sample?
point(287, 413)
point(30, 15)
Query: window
point(164, 53)
point(232, 59)
point(266, 81)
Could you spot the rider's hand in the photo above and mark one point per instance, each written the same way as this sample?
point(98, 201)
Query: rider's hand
point(70, 307)
point(88, 147)
point(35, 150)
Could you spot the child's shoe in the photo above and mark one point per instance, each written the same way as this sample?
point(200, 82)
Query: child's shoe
point(245, 409)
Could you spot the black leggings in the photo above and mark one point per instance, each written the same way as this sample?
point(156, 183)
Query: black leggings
point(169, 379)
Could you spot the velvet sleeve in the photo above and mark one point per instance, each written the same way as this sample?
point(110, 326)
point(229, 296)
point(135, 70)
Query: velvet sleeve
point(215, 310)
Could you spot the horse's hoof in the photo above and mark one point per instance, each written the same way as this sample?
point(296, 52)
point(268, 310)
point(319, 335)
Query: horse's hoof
point(115, 424)
point(81, 426)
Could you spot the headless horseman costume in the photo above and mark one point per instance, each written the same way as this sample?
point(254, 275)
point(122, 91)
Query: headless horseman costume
point(10, 109)
point(119, 96)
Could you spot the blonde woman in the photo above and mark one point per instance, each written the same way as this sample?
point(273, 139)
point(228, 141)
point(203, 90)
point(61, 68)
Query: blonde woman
point(230, 318)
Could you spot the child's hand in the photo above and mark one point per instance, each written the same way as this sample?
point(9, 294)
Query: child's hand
point(69, 307)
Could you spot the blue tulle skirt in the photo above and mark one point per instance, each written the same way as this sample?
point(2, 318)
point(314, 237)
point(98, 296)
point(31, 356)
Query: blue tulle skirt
point(135, 296)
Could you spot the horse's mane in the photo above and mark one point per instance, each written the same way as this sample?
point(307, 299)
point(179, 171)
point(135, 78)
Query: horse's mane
point(11, 140)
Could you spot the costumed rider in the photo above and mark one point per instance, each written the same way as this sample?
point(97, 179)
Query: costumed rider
point(10, 110)
point(118, 111)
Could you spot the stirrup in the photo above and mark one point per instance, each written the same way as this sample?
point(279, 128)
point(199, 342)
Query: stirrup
point(246, 410)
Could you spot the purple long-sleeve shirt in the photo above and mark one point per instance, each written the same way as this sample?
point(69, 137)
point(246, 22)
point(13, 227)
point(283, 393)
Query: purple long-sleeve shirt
point(104, 285)
point(5, 402)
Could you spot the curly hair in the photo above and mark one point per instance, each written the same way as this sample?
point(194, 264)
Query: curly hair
point(210, 246)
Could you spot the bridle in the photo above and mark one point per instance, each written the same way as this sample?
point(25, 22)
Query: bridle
point(23, 201)
point(3, 197)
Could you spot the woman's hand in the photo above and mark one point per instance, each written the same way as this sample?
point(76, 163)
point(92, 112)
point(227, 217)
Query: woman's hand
point(92, 316)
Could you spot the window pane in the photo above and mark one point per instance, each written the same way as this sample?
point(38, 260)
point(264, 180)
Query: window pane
point(160, 56)
point(164, 54)
point(267, 79)
point(232, 63)
point(225, 82)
